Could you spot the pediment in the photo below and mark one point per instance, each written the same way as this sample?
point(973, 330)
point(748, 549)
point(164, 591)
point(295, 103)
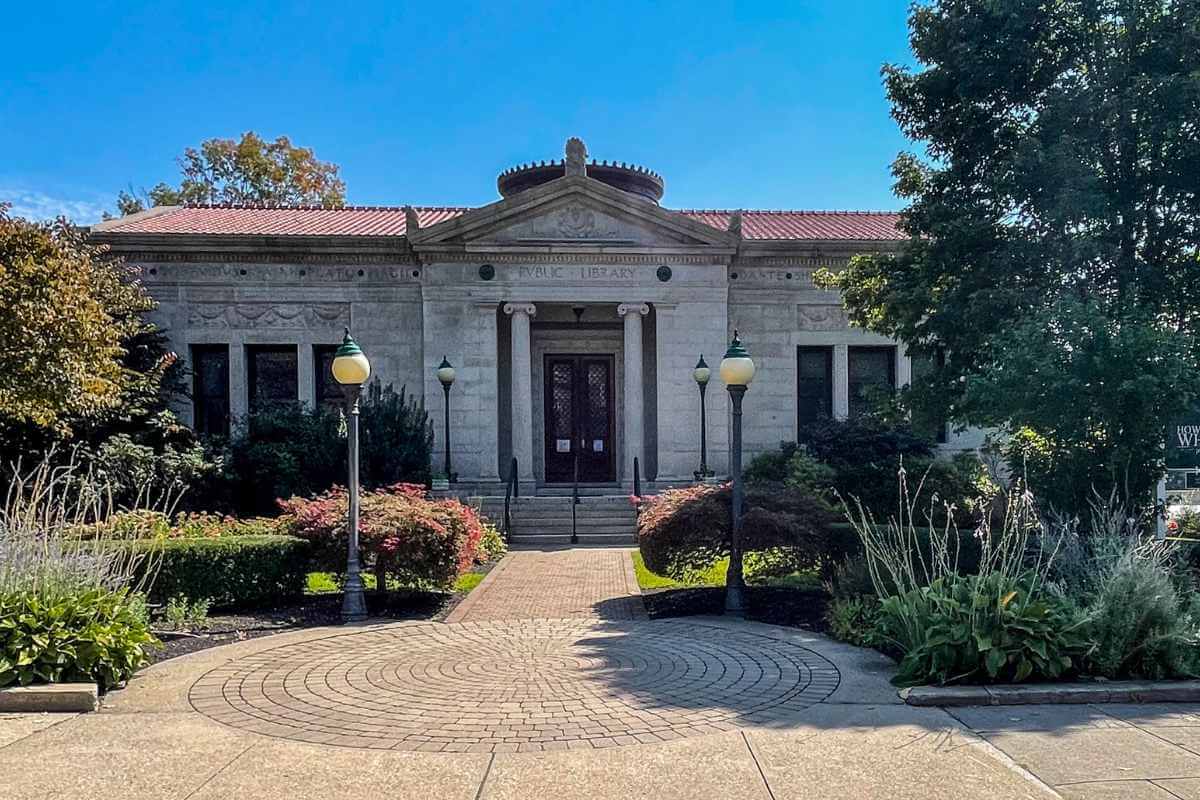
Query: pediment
point(572, 211)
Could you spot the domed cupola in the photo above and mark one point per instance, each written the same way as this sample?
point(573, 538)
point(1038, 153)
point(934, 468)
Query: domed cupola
point(626, 177)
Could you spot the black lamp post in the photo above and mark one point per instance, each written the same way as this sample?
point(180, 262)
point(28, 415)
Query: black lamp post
point(445, 374)
point(351, 370)
point(702, 373)
point(737, 371)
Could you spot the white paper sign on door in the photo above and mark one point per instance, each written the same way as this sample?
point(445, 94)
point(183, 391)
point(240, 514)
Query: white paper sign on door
point(562, 445)
point(598, 445)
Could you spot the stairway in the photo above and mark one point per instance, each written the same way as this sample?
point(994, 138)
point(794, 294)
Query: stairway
point(603, 521)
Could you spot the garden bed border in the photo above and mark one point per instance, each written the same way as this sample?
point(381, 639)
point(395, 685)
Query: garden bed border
point(1054, 693)
point(50, 697)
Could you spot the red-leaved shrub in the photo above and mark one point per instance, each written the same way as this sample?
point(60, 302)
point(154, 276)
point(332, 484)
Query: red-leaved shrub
point(682, 530)
point(402, 533)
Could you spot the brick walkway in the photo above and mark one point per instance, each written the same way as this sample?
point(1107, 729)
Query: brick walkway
point(517, 686)
point(592, 583)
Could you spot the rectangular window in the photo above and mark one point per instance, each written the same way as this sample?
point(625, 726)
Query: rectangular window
point(272, 376)
point(814, 384)
point(327, 390)
point(922, 366)
point(870, 371)
point(210, 388)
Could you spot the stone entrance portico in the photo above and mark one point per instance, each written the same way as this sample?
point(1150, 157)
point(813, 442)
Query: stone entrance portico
point(577, 266)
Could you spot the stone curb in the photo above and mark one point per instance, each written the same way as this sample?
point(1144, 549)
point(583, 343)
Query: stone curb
point(61, 697)
point(1054, 693)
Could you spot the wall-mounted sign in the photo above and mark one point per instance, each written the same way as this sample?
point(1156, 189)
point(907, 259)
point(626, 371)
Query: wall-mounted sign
point(1183, 441)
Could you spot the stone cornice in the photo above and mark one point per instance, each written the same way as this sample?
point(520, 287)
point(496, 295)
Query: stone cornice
point(597, 256)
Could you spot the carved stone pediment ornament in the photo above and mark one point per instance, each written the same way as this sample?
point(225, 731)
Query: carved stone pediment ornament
point(821, 318)
point(268, 315)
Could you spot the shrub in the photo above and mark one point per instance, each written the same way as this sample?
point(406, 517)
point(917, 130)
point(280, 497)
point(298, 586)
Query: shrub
point(227, 571)
point(418, 541)
point(682, 531)
point(859, 458)
point(94, 635)
point(1140, 622)
point(491, 544)
point(146, 524)
point(293, 451)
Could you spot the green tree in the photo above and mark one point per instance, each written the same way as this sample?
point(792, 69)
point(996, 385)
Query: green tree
point(1054, 224)
point(247, 170)
point(67, 310)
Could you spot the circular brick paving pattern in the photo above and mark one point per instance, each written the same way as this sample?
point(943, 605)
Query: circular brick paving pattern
point(526, 685)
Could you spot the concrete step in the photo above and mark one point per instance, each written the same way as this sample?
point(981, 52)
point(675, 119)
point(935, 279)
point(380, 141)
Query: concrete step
point(537, 541)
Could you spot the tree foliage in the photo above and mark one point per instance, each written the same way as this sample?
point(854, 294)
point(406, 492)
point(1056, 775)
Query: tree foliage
point(68, 312)
point(247, 170)
point(1054, 227)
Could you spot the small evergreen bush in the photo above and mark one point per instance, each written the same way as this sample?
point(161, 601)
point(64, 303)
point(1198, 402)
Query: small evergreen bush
point(228, 571)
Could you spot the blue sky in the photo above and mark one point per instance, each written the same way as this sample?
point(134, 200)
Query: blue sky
point(754, 105)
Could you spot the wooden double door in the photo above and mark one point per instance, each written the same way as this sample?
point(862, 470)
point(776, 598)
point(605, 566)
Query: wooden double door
point(580, 411)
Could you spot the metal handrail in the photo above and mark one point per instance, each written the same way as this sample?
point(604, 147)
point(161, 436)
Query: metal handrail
point(575, 500)
point(637, 478)
point(511, 489)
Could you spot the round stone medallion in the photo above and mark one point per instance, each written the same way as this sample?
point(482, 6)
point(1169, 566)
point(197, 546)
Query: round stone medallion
point(526, 685)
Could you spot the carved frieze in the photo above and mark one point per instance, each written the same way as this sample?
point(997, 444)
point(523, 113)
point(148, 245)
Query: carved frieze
point(821, 318)
point(283, 316)
point(163, 269)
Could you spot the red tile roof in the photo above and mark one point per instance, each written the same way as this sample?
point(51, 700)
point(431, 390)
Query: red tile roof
point(389, 221)
point(866, 225)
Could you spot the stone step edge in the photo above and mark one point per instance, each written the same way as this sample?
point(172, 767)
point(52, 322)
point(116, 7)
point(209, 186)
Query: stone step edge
point(1054, 693)
point(50, 697)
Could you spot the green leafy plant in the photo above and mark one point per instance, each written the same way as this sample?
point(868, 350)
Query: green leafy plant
point(992, 628)
point(491, 544)
point(180, 613)
point(92, 635)
point(854, 620)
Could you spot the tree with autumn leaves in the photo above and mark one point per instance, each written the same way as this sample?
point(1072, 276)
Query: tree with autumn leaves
point(1054, 224)
point(249, 170)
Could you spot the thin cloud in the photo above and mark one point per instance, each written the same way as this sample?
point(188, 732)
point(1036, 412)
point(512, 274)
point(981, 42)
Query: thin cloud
point(36, 205)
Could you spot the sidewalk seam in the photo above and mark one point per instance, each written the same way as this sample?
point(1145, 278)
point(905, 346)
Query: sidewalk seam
point(757, 765)
point(487, 771)
point(226, 766)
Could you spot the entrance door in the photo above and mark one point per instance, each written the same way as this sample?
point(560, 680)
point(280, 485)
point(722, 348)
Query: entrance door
point(579, 418)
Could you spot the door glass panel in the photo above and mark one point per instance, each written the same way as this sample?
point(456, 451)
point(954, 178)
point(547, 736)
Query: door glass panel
point(814, 388)
point(871, 369)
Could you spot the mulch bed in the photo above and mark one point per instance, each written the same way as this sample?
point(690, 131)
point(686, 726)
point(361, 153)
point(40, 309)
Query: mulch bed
point(794, 608)
point(311, 611)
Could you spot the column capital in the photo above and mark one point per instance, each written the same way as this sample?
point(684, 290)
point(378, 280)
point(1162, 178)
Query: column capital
point(528, 309)
point(626, 308)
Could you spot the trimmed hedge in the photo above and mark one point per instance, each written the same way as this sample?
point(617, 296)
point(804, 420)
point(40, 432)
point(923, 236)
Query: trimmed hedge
point(228, 571)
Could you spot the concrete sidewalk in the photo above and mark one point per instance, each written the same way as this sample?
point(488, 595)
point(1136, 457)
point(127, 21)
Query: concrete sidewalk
point(549, 682)
point(859, 742)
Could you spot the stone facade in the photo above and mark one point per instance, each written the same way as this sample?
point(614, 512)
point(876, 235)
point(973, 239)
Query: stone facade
point(568, 265)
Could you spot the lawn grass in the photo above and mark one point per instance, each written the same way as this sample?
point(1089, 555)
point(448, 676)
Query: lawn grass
point(467, 582)
point(325, 583)
point(714, 575)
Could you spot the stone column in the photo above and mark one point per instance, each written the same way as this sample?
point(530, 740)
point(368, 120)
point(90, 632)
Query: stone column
point(903, 366)
point(635, 439)
point(239, 392)
point(841, 381)
point(522, 390)
point(306, 387)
